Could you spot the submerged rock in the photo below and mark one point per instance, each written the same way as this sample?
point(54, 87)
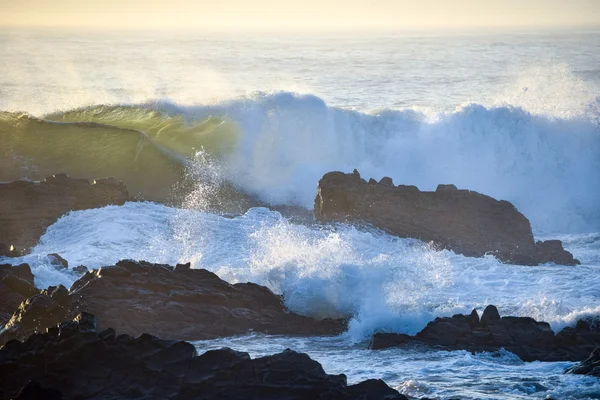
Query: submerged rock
point(58, 262)
point(176, 303)
point(463, 221)
point(590, 366)
point(74, 360)
point(529, 339)
point(28, 208)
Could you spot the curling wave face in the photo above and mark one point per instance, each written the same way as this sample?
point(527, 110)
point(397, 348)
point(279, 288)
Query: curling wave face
point(143, 147)
point(276, 146)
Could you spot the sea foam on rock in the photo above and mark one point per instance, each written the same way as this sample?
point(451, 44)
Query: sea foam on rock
point(463, 221)
point(28, 208)
point(529, 339)
point(76, 360)
point(171, 302)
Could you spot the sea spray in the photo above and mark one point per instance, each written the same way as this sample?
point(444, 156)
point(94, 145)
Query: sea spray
point(380, 281)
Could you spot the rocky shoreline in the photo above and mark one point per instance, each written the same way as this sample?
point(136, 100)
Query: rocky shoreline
point(529, 339)
point(51, 339)
point(74, 359)
point(171, 302)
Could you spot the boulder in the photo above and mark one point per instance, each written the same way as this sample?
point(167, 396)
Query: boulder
point(171, 302)
point(552, 251)
point(75, 360)
point(529, 339)
point(590, 366)
point(28, 208)
point(58, 262)
point(463, 221)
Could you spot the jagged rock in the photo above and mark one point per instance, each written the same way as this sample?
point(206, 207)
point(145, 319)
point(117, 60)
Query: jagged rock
point(464, 221)
point(553, 251)
point(529, 339)
point(74, 361)
point(58, 262)
point(28, 208)
point(16, 286)
point(590, 366)
point(176, 303)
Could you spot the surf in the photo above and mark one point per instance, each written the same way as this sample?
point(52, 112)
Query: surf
point(272, 148)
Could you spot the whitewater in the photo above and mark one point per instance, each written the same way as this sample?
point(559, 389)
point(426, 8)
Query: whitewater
point(232, 154)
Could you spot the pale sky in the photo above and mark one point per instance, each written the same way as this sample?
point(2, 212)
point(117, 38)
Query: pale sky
point(301, 15)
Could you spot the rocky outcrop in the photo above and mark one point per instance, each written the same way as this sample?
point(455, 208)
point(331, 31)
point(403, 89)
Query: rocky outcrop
point(16, 286)
point(590, 366)
point(463, 221)
point(530, 340)
point(175, 303)
point(76, 360)
point(28, 208)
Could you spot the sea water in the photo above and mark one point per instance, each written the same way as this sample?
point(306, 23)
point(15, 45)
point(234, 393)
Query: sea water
point(512, 115)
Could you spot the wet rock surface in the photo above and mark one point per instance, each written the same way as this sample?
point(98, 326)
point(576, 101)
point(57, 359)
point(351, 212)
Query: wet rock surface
point(76, 360)
point(464, 221)
point(171, 302)
point(529, 339)
point(28, 208)
point(590, 366)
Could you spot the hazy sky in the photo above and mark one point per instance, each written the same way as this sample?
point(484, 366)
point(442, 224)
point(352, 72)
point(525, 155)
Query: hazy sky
point(301, 15)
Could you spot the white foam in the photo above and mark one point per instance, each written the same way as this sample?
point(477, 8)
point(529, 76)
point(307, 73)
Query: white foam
point(546, 164)
point(383, 282)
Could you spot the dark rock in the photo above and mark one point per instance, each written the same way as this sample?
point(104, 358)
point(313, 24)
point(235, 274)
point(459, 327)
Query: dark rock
point(463, 221)
point(7, 250)
point(552, 251)
point(590, 366)
point(28, 208)
point(386, 181)
point(446, 188)
point(529, 339)
point(58, 262)
point(490, 314)
point(178, 303)
point(84, 364)
point(80, 269)
point(33, 391)
point(16, 286)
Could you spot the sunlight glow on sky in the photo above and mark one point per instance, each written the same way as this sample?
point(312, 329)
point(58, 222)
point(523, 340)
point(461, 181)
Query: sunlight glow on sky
point(300, 15)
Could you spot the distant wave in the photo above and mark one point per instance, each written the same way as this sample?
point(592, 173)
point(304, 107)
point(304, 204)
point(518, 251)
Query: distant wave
point(275, 147)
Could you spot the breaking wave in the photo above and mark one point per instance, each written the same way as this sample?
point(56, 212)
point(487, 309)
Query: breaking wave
point(275, 147)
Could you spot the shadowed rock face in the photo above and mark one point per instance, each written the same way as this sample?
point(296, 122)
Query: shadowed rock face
point(464, 221)
point(175, 303)
point(28, 208)
point(75, 360)
point(529, 339)
point(590, 366)
point(16, 286)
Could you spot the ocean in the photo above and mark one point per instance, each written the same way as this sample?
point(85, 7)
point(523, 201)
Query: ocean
point(231, 133)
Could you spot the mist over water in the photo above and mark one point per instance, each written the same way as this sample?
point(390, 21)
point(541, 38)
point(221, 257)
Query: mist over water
point(512, 116)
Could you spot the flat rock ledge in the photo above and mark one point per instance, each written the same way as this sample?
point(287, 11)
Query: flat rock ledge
point(170, 302)
point(529, 339)
point(75, 360)
point(28, 208)
point(463, 221)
